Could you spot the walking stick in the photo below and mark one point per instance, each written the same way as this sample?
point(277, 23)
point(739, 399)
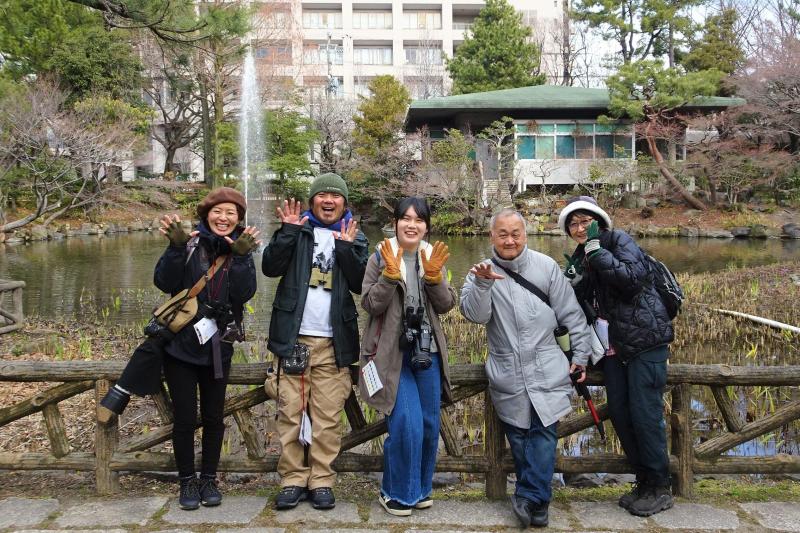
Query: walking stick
point(562, 337)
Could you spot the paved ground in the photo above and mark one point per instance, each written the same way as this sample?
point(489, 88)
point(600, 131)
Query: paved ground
point(246, 514)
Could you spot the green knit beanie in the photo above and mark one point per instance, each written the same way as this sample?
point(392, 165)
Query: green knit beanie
point(329, 182)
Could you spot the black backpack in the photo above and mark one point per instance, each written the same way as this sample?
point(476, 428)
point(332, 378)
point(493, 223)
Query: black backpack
point(667, 286)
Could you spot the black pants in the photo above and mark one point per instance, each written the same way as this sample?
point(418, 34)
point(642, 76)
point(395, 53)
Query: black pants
point(636, 408)
point(183, 380)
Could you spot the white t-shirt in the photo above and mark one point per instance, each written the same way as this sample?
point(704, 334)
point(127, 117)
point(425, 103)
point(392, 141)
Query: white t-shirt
point(317, 313)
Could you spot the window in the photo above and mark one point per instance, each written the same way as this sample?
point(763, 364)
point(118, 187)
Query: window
point(422, 20)
point(373, 20)
point(366, 55)
point(421, 89)
point(569, 140)
point(278, 54)
point(322, 20)
point(317, 54)
point(423, 55)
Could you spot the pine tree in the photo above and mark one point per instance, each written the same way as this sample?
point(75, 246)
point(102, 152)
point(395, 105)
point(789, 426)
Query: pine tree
point(718, 46)
point(498, 54)
point(380, 117)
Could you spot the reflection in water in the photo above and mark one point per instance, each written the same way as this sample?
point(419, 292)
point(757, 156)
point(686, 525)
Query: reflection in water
point(81, 277)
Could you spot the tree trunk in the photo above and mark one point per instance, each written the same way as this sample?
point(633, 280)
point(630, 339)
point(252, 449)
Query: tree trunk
point(670, 177)
point(208, 149)
point(169, 162)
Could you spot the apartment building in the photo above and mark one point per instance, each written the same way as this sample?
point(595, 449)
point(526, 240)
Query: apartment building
point(302, 42)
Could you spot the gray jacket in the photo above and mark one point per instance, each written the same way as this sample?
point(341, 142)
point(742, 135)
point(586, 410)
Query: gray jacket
point(526, 368)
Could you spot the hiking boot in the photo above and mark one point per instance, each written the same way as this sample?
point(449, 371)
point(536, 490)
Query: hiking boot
point(289, 497)
point(522, 510)
point(627, 499)
point(424, 503)
point(322, 498)
point(189, 498)
point(394, 507)
point(539, 514)
point(651, 501)
point(210, 495)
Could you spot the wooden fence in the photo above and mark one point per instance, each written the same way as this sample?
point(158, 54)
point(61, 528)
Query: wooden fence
point(112, 455)
point(11, 319)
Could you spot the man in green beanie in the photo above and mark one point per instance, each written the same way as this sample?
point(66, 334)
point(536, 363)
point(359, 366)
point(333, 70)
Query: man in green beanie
point(320, 256)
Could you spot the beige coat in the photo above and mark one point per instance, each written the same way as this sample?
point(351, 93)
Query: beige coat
point(383, 299)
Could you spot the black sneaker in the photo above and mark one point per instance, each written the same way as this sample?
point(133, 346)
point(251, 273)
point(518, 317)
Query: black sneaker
point(189, 498)
point(394, 507)
point(424, 503)
point(539, 514)
point(289, 497)
point(210, 496)
point(652, 500)
point(521, 507)
point(322, 498)
point(627, 499)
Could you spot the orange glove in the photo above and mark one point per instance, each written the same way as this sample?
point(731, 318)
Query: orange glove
point(433, 265)
point(392, 262)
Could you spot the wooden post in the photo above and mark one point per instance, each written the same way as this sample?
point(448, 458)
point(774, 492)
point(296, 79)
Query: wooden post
point(682, 440)
point(726, 408)
point(163, 405)
point(449, 433)
point(11, 320)
point(105, 443)
point(253, 441)
point(494, 447)
point(56, 431)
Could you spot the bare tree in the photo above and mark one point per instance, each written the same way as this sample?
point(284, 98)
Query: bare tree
point(333, 118)
point(62, 157)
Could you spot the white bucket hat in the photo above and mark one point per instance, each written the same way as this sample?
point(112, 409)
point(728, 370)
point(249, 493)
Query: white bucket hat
point(583, 203)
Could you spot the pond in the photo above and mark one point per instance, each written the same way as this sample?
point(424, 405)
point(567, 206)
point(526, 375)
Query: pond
point(111, 276)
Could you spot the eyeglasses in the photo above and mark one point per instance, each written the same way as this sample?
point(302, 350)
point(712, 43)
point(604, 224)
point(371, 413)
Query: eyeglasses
point(583, 224)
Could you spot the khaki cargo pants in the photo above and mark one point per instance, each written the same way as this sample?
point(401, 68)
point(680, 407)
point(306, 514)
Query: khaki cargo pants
point(323, 389)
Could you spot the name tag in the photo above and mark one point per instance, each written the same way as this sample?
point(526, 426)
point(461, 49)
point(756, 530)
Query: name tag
point(371, 380)
point(205, 329)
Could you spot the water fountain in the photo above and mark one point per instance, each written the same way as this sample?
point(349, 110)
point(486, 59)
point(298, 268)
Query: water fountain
point(251, 136)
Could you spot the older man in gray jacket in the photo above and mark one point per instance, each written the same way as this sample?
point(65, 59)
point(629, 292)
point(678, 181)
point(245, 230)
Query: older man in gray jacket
point(528, 373)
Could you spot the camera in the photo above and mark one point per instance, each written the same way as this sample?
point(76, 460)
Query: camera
point(421, 358)
point(417, 338)
point(153, 328)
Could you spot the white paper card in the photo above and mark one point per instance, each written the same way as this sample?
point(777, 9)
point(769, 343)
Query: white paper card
point(371, 379)
point(205, 329)
point(601, 328)
point(305, 430)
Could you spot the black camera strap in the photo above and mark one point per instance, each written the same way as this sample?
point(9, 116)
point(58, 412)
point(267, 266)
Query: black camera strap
point(525, 283)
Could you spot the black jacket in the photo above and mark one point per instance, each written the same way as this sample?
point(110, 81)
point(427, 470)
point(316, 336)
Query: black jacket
point(618, 283)
point(289, 254)
point(234, 284)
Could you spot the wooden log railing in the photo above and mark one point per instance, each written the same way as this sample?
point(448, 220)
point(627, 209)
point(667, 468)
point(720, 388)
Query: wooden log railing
point(113, 455)
point(11, 319)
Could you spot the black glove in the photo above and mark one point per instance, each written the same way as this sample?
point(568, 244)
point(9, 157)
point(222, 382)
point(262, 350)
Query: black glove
point(244, 244)
point(176, 235)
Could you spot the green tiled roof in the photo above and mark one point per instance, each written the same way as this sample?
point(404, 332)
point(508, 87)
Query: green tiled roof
point(543, 97)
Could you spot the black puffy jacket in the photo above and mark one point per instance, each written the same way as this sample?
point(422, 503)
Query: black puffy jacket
point(234, 284)
point(618, 284)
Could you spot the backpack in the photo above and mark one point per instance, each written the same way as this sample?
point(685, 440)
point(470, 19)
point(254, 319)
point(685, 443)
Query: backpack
point(667, 286)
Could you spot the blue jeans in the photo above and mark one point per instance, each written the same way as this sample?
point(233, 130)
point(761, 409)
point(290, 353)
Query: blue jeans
point(636, 407)
point(409, 452)
point(534, 453)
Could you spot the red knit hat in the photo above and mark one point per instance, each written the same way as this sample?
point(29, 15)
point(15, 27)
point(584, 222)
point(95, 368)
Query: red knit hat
point(221, 195)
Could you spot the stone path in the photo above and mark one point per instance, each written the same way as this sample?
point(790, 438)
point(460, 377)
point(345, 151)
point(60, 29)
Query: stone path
point(252, 514)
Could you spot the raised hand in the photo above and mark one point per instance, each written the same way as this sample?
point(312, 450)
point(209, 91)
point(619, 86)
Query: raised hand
point(172, 229)
point(246, 242)
point(484, 270)
point(349, 231)
point(392, 262)
point(592, 238)
point(433, 265)
point(290, 214)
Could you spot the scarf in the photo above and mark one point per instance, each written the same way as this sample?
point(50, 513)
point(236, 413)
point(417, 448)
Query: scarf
point(336, 226)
